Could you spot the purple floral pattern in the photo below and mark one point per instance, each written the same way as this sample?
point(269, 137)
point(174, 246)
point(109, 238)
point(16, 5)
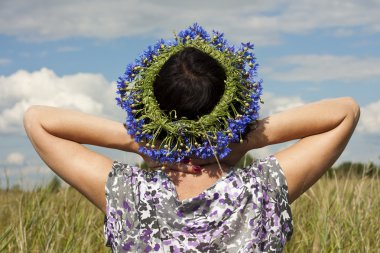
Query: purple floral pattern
point(246, 210)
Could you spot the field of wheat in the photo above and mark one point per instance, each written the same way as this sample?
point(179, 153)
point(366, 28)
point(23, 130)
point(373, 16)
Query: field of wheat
point(335, 215)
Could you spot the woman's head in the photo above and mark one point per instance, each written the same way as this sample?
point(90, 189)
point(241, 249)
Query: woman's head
point(209, 84)
point(190, 82)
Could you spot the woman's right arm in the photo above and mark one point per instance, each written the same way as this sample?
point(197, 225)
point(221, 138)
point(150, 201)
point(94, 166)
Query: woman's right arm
point(323, 129)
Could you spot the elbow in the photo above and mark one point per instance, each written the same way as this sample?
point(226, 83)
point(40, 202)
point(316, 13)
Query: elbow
point(31, 118)
point(352, 109)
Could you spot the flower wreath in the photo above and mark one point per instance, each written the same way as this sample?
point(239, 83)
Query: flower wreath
point(209, 135)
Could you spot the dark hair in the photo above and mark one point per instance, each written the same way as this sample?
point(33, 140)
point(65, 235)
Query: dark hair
point(190, 82)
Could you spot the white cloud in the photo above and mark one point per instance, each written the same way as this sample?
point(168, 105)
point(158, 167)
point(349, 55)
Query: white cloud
point(114, 19)
point(67, 49)
point(29, 169)
point(343, 32)
point(274, 104)
point(4, 61)
point(317, 68)
point(261, 21)
point(26, 176)
point(15, 158)
point(90, 93)
point(370, 118)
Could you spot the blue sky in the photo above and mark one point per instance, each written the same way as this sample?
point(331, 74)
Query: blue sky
point(69, 53)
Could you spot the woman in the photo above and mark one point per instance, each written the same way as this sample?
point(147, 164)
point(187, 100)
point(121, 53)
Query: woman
point(180, 208)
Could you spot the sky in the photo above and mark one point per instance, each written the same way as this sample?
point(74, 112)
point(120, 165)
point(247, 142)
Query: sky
point(69, 54)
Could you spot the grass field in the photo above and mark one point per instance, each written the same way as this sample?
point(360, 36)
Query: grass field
point(335, 215)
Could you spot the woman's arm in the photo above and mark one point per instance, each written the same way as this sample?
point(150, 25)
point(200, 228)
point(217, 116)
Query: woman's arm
point(58, 135)
point(324, 129)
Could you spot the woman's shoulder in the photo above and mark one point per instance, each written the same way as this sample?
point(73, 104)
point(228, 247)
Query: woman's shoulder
point(123, 169)
point(261, 165)
point(265, 169)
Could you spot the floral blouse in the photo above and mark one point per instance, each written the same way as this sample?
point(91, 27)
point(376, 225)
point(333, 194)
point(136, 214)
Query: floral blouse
point(246, 210)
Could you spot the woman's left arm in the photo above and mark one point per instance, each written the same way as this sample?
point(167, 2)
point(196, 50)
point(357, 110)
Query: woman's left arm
point(58, 134)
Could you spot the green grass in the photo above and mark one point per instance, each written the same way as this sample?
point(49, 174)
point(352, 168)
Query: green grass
point(335, 215)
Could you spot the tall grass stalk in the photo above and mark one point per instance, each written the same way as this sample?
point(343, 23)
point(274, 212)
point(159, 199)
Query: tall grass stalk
point(45, 220)
point(338, 215)
point(335, 215)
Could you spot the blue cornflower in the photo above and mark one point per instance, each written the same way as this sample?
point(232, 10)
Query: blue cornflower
point(248, 45)
point(244, 60)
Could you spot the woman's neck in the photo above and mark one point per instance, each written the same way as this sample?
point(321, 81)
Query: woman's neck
point(190, 185)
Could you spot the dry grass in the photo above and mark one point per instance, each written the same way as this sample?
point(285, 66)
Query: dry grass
point(338, 216)
point(48, 221)
point(334, 216)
